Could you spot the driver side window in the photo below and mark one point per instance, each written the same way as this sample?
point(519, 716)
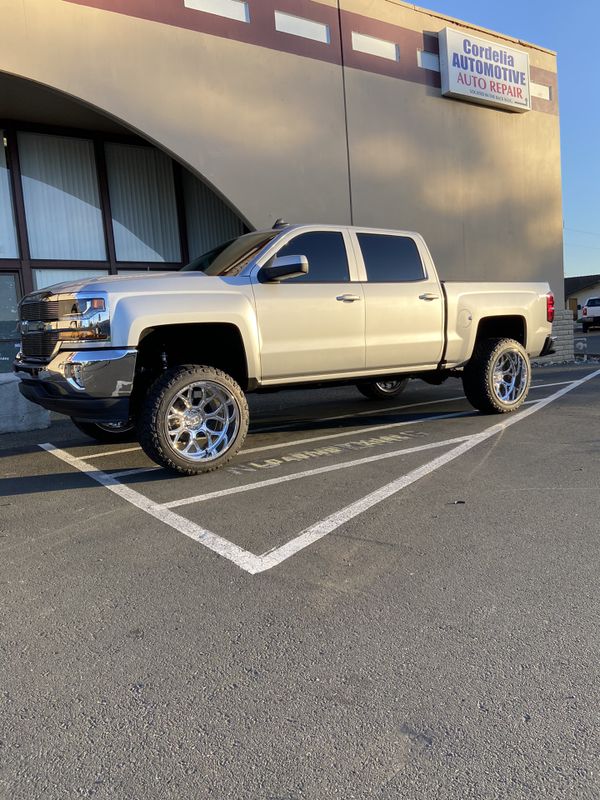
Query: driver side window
point(326, 254)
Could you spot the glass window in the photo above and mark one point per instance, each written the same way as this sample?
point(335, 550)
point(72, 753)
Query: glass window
point(230, 258)
point(326, 254)
point(62, 202)
point(9, 335)
point(390, 259)
point(209, 221)
point(593, 302)
point(48, 277)
point(8, 231)
point(139, 271)
point(142, 200)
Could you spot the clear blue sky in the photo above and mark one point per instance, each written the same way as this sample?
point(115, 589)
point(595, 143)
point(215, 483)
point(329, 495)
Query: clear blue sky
point(570, 29)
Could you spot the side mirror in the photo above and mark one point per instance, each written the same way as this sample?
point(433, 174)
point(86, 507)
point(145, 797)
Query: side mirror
point(285, 267)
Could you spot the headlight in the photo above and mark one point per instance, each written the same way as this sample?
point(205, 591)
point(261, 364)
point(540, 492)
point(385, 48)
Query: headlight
point(86, 306)
point(87, 320)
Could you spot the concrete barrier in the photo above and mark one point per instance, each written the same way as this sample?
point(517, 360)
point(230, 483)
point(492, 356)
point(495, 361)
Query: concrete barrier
point(17, 413)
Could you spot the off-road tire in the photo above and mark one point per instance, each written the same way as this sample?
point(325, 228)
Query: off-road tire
point(373, 390)
point(152, 428)
point(478, 376)
point(104, 433)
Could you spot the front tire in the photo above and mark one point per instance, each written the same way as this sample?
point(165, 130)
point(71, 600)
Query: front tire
point(194, 419)
point(108, 432)
point(382, 390)
point(497, 378)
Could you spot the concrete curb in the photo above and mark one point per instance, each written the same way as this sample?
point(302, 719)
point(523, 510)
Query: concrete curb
point(16, 413)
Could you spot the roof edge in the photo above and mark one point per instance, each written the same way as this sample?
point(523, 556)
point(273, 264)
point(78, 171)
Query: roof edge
point(472, 26)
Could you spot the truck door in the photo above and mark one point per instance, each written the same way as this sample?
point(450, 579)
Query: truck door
point(312, 325)
point(404, 305)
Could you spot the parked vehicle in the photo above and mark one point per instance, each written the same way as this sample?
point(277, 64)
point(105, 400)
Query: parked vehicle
point(170, 356)
point(590, 313)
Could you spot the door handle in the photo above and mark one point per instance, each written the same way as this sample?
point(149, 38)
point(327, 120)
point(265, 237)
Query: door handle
point(429, 296)
point(347, 298)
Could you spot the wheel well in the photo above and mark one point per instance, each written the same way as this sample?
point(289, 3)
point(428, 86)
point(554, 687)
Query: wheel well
point(214, 344)
point(510, 327)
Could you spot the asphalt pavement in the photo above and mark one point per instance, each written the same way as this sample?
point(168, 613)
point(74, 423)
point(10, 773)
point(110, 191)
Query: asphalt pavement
point(375, 600)
point(589, 342)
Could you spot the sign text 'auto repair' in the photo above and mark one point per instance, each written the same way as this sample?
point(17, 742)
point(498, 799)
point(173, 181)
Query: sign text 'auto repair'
point(483, 71)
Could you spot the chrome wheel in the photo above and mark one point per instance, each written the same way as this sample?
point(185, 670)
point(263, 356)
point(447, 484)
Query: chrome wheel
point(510, 377)
point(388, 387)
point(202, 421)
point(116, 427)
point(381, 390)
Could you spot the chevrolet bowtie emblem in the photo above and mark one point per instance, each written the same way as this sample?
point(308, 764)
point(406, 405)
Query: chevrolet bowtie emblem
point(32, 326)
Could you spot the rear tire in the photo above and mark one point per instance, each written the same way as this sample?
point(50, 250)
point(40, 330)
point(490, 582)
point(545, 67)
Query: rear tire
point(194, 419)
point(497, 378)
point(107, 432)
point(382, 390)
point(585, 327)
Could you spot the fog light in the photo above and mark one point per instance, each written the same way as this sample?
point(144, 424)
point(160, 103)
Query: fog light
point(74, 374)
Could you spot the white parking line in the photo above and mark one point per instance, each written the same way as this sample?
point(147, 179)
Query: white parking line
point(126, 473)
point(254, 564)
point(372, 412)
point(244, 559)
point(356, 432)
point(334, 521)
point(357, 462)
point(105, 453)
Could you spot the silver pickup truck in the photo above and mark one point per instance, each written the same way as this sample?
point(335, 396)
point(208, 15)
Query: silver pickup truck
point(168, 357)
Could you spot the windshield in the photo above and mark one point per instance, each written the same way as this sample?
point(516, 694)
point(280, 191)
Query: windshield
point(231, 257)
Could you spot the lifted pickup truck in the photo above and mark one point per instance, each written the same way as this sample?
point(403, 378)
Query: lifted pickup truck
point(168, 357)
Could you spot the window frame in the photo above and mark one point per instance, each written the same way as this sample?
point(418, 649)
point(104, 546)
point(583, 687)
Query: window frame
point(25, 265)
point(424, 255)
point(14, 270)
point(292, 233)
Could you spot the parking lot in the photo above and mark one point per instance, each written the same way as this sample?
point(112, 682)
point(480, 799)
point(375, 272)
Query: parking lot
point(372, 600)
point(587, 343)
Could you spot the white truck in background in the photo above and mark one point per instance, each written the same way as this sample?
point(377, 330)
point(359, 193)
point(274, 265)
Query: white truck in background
point(590, 313)
point(168, 357)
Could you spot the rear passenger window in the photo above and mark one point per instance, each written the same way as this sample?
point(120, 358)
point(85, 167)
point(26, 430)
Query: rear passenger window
point(390, 259)
point(593, 302)
point(326, 254)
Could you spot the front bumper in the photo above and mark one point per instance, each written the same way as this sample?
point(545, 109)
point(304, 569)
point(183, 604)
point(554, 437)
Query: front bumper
point(93, 385)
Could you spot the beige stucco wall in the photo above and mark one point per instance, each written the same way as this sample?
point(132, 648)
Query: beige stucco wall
point(267, 130)
point(483, 186)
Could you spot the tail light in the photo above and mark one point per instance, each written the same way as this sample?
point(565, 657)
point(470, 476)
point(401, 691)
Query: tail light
point(550, 307)
point(584, 312)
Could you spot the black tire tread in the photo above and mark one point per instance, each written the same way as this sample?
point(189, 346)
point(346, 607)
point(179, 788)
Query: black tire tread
point(148, 435)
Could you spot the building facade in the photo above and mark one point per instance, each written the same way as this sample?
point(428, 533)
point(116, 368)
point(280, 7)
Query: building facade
point(578, 290)
point(137, 134)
